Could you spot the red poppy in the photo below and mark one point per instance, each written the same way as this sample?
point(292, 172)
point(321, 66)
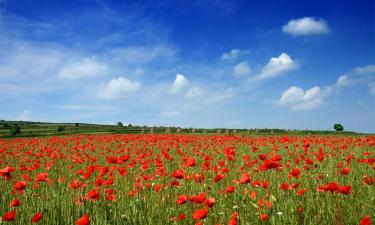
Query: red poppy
point(219, 177)
point(41, 176)
point(181, 199)
point(20, 185)
point(230, 189)
point(245, 178)
point(38, 216)
point(345, 171)
point(233, 219)
point(345, 189)
point(93, 195)
point(263, 217)
point(9, 216)
point(6, 172)
point(366, 220)
point(295, 172)
point(83, 220)
point(209, 202)
point(301, 192)
point(284, 186)
point(15, 202)
point(200, 214)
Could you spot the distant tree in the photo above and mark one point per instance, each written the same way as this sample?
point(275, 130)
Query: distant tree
point(6, 126)
point(16, 129)
point(77, 124)
point(338, 127)
point(130, 125)
point(120, 124)
point(60, 129)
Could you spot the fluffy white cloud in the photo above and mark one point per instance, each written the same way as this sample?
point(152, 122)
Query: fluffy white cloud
point(242, 68)
point(365, 69)
point(233, 54)
point(275, 67)
point(194, 92)
point(170, 114)
point(180, 83)
point(117, 88)
point(85, 68)
point(306, 26)
point(299, 99)
point(343, 80)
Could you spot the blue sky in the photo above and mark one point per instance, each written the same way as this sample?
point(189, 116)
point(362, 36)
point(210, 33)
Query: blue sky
point(207, 63)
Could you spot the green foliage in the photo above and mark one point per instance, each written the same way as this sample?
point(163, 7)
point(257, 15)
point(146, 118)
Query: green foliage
point(77, 125)
point(14, 130)
point(120, 124)
point(6, 126)
point(338, 127)
point(60, 129)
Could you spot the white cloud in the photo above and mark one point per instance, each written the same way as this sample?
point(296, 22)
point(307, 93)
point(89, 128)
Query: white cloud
point(242, 68)
point(306, 26)
point(372, 88)
point(179, 83)
point(86, 107)
point(170, 114)
point(142, 54)
point(298, 99)
point(233, 54)
point(85, 68)
point(343, 80)
point(275, 67)
point(194, 92)
point(117, 88)
point(365, 69)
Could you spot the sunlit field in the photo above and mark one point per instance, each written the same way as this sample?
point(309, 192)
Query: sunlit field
point(187, 179)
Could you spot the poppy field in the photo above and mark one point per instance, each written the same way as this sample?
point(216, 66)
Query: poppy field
point(187, 179)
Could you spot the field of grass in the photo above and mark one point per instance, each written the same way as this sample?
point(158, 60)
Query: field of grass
point(188, 179)
point(38, 129)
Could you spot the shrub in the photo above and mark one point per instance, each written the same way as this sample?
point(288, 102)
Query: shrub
point(14, 130)
point(338, 127)
point(60, 129)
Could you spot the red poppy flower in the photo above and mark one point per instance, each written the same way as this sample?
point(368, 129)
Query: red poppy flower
point(295, 172)
point(366, 220)
point(15, 202)
point(233, 219)
point(181, 199)
point(245, 178)
point(345, 171)
point(6, 172)
point(200, 214)
point(301, 192)
point(20, 185)
point(219, 177)
point(209, 202)
point(38, 216)
point(83, 220)
point(41, 176)
point(93, 195)
point(230, 189)
point(9, 216)
point(345, 189)
point(263, 217)
point(284, 186)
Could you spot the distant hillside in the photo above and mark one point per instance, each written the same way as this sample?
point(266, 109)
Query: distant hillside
point(34, 129)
